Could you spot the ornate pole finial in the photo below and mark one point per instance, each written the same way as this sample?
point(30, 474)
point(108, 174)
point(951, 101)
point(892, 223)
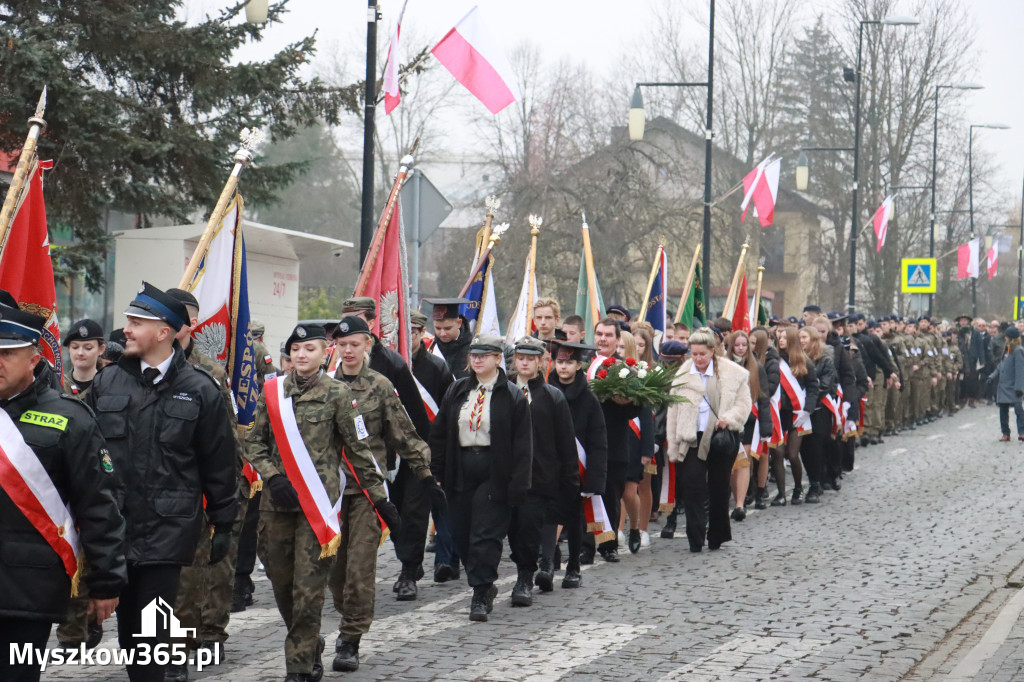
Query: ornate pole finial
point(496, 232)
point(250, 139)
point(37, 118)
point(493, 204)
point(535, 222)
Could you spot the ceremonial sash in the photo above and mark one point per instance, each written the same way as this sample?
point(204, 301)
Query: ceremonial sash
point(428, 400)
point(593, 505)
point(832, 405)
point(764, 443)
point(595, 366)
point(667, 500)
point(253, 476)
point(300, 470)
point(777, 437)
point(634, 426)
point(797, 396)
point(26, 482)
point(384, 530)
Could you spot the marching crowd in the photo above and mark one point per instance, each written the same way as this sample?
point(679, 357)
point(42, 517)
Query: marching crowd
point(128, 480)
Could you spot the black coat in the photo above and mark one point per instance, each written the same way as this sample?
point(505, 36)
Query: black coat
point(389, 363)
point(978, 350)
point(764, 401)
point(588, 424)
point(771, 369)
point(862, 380)
point(828, 377)
point(556, 469)
point(432, 372)
point(874, 355)
point(845, 371)
point(172, 445)
point(456, 353)
point(809, 382)
point(33, 581)
point(511, 440)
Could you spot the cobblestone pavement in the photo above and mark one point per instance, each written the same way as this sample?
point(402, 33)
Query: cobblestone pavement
point(903, 574)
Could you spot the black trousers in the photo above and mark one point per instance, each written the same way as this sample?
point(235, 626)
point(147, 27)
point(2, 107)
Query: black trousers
point(246, 561)
point(832, 466)
point(524, 531)
point(812, 446)
point(848, 448)
point(22, 631)
point(704, 488)
point(413, 502)
point(145, 584)
point(479, 526)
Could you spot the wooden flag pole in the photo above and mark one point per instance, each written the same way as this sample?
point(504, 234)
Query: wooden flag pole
point(385, 218)
point(588, 256)
point(496, 233)
point(730, 301)
point(650, 282)
point(535, 222)
point(243, 157)
point(23, 171)
point(757, 295)
point(688, 286)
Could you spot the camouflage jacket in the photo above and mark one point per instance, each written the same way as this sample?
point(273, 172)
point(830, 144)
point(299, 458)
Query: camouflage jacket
point(387, 423)
point(328, 421)
point(200, 359)
point(264, 361)
point(74, 388)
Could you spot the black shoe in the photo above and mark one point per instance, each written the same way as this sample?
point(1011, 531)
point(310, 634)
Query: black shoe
point(798, 492)
point(489, 594)
point(749, 499)
point(176, 673)
point(634, 541)
point(573, 579)
point(318, 661)
point(443, 573)
point(296, 677)
point(739, 513)
point(865, 441)
point(761, 500)
point(910, 427)
point(780, 500)
point(586, 557)
point(714, 547)
point(238, 601)
point(813, 494)
point(405, 586)
point(545, 576)
point(610, 555)
point(346, 657)
point(414, 573)
point(478, 607)
point(95, 635)
point(522, 592)
point(431, 547)
point(696, 548)
point(836, 485)
point(668, 531)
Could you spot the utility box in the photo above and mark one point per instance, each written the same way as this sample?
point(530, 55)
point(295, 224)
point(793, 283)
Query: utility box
point(159, 255)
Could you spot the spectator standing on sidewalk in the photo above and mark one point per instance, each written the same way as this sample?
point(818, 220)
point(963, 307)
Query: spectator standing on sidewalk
point(1010, 386)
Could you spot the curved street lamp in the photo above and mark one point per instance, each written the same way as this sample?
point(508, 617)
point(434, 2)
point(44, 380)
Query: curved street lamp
point(256, 11)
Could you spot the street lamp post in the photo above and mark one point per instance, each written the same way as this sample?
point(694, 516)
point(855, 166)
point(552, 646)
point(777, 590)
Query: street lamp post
point(636, 132)
point(935, 149)
point(970, 196)
point(888, 21)
point(1020, 255)
point(369, 123)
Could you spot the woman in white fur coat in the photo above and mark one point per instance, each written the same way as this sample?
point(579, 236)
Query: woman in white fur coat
point(717, 397)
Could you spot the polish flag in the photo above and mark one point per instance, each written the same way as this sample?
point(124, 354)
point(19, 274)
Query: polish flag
point(967, 260)
point(762, 185)
point(470, 53)
point(881, 220)
point(517, 325)
point(993, 262)
point(392, 95)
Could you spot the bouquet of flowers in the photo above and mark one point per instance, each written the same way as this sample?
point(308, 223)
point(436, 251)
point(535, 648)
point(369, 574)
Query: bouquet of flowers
point(635, 381)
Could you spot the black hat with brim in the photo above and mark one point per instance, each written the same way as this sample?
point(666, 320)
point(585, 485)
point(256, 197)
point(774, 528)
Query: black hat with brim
point(19, 329)
point(153, 304)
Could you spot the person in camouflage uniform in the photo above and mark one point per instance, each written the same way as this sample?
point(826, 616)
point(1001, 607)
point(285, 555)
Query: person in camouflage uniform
point(296, 563)
point(262, 357)
point(204, 590)
point(893, 406)
point(937, 365)
point(387, 427)
point(956, 371)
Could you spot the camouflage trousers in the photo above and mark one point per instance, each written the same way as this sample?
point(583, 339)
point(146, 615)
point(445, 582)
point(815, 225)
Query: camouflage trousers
point(922, 396)
point(874, 416)
point(204, 591)
point(290, 554)
point(354, 573)
point(75, 628)
point(893, 408)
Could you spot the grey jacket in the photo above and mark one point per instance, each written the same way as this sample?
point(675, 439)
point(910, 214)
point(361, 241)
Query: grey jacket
point(1011, 377)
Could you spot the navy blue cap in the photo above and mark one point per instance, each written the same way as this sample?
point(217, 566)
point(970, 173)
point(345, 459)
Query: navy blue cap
point(673, 350)
point(911, 320)
point(622, 310)
point(812, 308)
point(19, 329)
point(153, 304)
point(873, 324)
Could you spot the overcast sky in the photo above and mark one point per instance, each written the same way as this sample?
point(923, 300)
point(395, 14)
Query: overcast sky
point(597, 32)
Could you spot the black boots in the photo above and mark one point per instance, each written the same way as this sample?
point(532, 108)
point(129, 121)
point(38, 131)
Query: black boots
point(483, 602)
point(545, 576)
point(634, 541)
point(814, 494)
point(405, 586)
point(522, 593)
point(761, 500)
point(668, 531)
point(798, 492)
point(346, 656)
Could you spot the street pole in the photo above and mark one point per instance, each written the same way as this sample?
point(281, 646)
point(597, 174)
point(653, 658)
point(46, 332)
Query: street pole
point(706, 241)
point(414, 261)
point(366, 225)
point(1020, 254)
point(931, 223)
point(970, 208)
point(851, 302)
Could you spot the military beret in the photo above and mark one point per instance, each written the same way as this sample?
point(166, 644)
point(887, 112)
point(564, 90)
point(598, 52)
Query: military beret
point(306, 332)
point(117, 336)
point(836, 316)
point(349, 326)
point(286, 351)
point(873, 324)
point(186, 297)
point(19, 329)
point(153, 304)
point(486, 343)
point(418, 319)
point(359, 304)
point(529, 346)
point(911, 320)
point(84, 330)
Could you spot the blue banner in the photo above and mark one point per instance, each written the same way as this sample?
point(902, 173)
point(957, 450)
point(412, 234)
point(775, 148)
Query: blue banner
point(242, 360)
point(475, 296)
point(656, 311)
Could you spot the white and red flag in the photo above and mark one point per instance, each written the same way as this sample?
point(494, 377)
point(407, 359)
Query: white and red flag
point(967, 260)
point(881, 220)
point(993, 261)
point(517, 325)
point(385, 279)
point(392, 93)
point(26, 270)
point(761, 186)
point(471, 54)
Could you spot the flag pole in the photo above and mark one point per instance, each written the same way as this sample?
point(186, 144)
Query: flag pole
point(378, 235)
point(250, 138)
point(688, 286)
point(588, 256)
point(493, 204)
point(650, 282)
point(535, 222)
point(24, 169)
point(495, 237)
point(730, 301)
point(757, 294)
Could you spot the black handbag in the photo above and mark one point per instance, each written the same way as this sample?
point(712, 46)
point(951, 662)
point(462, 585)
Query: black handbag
point(723, 441)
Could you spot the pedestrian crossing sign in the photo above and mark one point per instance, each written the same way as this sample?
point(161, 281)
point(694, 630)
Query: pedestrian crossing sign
point(918, 275)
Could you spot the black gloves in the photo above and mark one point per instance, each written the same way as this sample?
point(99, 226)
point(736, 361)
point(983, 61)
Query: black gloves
point(282, 492)
point(438, 500)
point(220, 543)
point(389, 513)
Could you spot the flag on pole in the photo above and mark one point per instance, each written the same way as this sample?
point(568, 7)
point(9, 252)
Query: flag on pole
point(482, 310)
point(657, 310)
point(762, 315)
point(583, 307)
point(741, 316)
point(392, 93)
point(221, 286)
point(387, 283)
point(993, 261)
point(881, 220)
point(26, 270)
point(967, 260)
point(517, 325)
point(471, 54)
point(762, 186)
point(694, 313)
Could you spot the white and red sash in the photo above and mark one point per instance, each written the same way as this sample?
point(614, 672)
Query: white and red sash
point(26, 482)
point(634, 426)
point(253, 476)
point(428, 401)
point(777, 437)
point(300, 470)
point(797, 396)
point(595, 366)
point(667, 499)
point(593, 505)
